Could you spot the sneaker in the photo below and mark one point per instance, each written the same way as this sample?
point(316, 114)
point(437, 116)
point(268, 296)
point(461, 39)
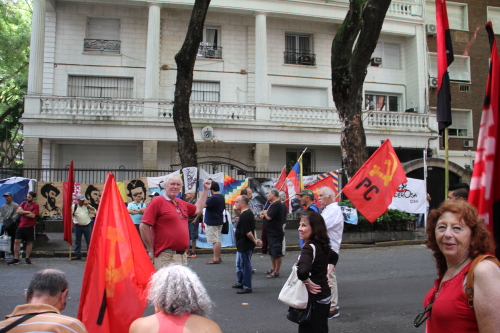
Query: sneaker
point(334, 314)
point(76, 258)
point(191, 255)
point(14, 262)
point(28, 261)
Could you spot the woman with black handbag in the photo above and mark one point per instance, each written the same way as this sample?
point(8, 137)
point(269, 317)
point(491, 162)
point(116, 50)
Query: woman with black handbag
point(312, 269)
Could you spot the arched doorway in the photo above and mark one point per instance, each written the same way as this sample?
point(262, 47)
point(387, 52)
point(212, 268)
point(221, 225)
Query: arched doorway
point(435, 176)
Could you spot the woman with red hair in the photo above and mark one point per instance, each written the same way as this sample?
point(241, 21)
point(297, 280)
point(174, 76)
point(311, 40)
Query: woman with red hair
point(457, 236)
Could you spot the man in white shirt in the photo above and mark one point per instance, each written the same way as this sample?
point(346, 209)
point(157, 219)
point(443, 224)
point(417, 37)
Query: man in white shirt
point(83, 227)
point(334, 220)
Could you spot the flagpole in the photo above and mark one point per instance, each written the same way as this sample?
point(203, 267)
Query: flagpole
point(446, 165)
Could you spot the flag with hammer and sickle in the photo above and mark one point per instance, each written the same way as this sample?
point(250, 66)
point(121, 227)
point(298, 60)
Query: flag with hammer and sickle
point(117, 271)
point(373, 186)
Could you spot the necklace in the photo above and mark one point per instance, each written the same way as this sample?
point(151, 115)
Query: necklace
point(456, 270)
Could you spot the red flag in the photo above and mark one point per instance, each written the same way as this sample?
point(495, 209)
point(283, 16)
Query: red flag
point(68, 189)
point(485, 185)
point(328, 182)
point(280, 183)
point(373, 186)
point(117, 271)
point(444, 59)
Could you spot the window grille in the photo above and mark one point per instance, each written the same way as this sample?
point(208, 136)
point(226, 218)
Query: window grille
point(100, 87)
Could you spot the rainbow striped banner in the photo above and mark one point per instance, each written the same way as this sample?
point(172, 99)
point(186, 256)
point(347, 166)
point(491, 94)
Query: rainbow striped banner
point(332, 174)
point(232, 188)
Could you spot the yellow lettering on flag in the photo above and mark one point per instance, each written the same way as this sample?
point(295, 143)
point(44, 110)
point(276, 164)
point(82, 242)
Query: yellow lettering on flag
point(387, 177)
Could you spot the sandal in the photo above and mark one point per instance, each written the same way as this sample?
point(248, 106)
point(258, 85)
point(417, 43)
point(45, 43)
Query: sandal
point(273, 275)
point(269, 272)
point(212, 262)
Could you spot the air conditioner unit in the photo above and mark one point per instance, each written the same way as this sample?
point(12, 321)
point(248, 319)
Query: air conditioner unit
point(305, 60)
point(430, 29)
point(433, 82)
point(376, 61)
point(468, 143)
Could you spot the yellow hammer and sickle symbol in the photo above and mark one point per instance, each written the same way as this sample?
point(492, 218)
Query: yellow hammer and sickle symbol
point(387, 177)
point(114, 274)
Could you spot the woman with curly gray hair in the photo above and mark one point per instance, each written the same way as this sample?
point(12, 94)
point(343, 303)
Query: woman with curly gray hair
point(181, 302)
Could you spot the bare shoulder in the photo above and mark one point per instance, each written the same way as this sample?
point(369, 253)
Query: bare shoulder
point(147, 324)
point(487, 270)
point(199, 324)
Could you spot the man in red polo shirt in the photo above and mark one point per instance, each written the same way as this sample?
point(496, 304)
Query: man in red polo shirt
point(164, 228)
point(28, 210)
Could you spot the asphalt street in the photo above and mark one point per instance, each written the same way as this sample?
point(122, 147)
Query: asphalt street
point(380, 290)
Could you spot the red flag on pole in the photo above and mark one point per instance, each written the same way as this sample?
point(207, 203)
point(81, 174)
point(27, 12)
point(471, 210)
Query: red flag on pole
point(280, 183)
point(444, 59)
point(68, 188)
point(117, 271)
point(373, 186)
point(328, 182)
point(485, 185)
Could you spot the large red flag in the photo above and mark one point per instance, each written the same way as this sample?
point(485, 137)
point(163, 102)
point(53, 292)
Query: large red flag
point(485, 184)
point(444, 59)
point(68, 189)
point(117, 271)
point(373, 186)
point(328, 182)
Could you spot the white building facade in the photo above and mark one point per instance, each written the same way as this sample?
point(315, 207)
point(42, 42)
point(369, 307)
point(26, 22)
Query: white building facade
point(102, 79)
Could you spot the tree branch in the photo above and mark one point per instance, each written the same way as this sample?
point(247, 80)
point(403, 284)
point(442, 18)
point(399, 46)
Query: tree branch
point(15, 73)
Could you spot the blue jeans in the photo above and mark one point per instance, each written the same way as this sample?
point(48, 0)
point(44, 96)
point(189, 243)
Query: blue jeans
point(244, 268)
point(86, 231)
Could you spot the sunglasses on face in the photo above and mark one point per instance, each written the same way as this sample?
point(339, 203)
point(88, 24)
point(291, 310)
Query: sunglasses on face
point(422, 316)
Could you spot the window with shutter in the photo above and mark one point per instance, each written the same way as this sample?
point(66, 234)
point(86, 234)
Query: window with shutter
point(204, 91)
point(493, 14)
point(100, 87)
point(103, 35)
point(390, 54)
point(461, 123)
point(457, 14)
point(459, 69)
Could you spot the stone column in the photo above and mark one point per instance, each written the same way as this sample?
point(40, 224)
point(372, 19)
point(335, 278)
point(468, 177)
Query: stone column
point(261, 84)
point(150, 154)
point(35, 76)
point(153, 52)
point(261, 156)
point(32, 152)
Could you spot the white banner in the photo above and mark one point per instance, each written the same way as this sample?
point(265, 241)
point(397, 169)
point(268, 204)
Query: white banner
point(410, 197)
point(190, 177)
point(157, 184)
point(216, 177)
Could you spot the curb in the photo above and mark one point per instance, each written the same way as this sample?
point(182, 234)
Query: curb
point(232, 250)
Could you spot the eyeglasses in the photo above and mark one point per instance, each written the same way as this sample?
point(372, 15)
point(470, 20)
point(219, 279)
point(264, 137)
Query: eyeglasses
point(422, 317)
point(178, 209)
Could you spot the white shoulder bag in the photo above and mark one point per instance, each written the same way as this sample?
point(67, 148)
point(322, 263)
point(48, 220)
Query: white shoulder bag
point(294, 292)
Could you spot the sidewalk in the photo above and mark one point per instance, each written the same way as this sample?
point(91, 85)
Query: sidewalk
point(55, 246)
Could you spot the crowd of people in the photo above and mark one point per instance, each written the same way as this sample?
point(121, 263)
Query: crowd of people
point(465, 296)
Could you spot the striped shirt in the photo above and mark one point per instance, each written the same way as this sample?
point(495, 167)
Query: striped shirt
point(49, 319)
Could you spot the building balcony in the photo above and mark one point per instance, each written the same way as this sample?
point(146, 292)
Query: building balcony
point(209, 51)
point(300, 58)
point(128, 111)
point(101, 45)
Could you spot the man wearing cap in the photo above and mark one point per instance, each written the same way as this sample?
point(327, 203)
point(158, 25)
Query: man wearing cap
point(83, 227)
point(307, 200)
point(9, 217)
point(50, 192)
point(28, 210)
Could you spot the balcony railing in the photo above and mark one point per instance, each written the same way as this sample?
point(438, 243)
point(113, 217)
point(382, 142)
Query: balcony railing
point(209, 51)
point(72, 106)
point(300, 58)
point(222, 111)
point(102, 45)
point(230, 113)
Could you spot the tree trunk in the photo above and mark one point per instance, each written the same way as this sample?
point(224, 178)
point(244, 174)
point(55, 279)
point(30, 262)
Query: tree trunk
point(185, 60)
point(352, 50)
